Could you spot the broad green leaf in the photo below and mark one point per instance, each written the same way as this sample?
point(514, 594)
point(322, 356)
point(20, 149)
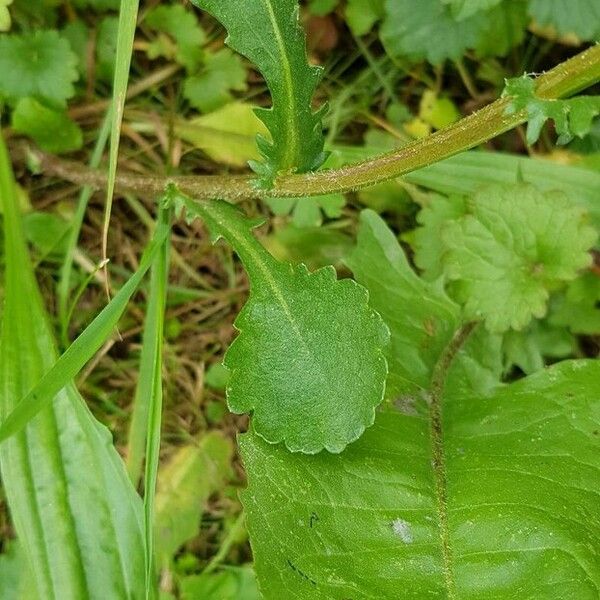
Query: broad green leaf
point(106, 48)
point(308, 361)
point(420, 329)
point(184, 484)
point(211, 88)
point(227, 135)
point(515, 245)
point(430, 29)
point(51, 129)
point(77, 516)
point(183, 27)
point(462, 9)
point(453, 493)
point(38, 64)
point(427, 29)
point(232, 583)
point(581, 17)
point(572, 117)
point(270, 36)
point(361, 15)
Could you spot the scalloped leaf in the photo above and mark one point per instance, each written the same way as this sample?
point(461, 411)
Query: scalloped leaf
point(515, 246)
point(456, 492)
point(270, 37)
point(309, 360)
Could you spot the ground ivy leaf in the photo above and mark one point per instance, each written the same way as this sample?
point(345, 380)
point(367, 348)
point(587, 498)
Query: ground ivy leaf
point(210, 89)
point(51, 129)
point(39, 64)
point(270, 36)
point(181, 25)
point(462, 9)
point(581, 17)
point(515, 247)
point(386, 519)
point(426, 29)
point(572, 117)
point(309, 359)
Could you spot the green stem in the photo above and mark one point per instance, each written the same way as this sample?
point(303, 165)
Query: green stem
point(566, 79)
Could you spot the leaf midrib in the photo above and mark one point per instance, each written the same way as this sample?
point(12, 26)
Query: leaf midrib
point(438, 462)
point(291, 133)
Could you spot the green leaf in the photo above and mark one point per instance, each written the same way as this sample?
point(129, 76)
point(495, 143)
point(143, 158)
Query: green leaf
point(427, 29)
point(572, 117)
point(51, 129)
point(420, 328)
point(68, 365)
point(516, 245)
point(309, 358)
point(427, 240)
point(462, 9)
point(210, 89)
point(233, 583)
point(437, 30)
point(184, 484)
point(5, 21)
point(39, 64)
point(308, 212)
point(579, 307)
point(77, 517)
point(227, 134)
point(436, 500)
point(581, 17)
point(529, 348)
point(183, 27)
point(106, 48)
point(271, 38)
point(321, 8)
point(361, 15)
point(47, 231)
point(465, 173)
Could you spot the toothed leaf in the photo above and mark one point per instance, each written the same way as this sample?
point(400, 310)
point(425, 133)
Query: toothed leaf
point(309, 360)
point(516, 246)
point(270, 36)
point(572, 117)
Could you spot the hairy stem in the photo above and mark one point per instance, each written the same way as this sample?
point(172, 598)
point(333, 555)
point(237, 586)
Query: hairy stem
point(566, 79)
point(438, 381)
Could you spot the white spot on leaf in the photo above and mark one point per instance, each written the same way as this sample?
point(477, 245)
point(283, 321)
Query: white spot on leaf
point(403, 530)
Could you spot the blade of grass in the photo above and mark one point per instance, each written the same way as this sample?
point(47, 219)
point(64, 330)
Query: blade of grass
point(77, 516)
point(64, 284)
point(147, 418)
point(83, 348)
point(125, 36)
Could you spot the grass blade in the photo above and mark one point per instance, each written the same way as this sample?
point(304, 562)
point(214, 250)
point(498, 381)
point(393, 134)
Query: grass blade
point(125, 37)
point(150, 395)
point(83, 348)
point(64, 284)
point(76, 514)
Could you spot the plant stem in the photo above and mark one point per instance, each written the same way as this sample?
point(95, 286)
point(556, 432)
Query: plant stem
point(566, 79)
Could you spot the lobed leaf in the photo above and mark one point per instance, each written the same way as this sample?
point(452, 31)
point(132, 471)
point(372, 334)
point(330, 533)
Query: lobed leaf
point(309, 358)
point(572, 117)
point(38, 64)
point(267, 32)
point(436, 498)
point(515, 246)
point(581, 17)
